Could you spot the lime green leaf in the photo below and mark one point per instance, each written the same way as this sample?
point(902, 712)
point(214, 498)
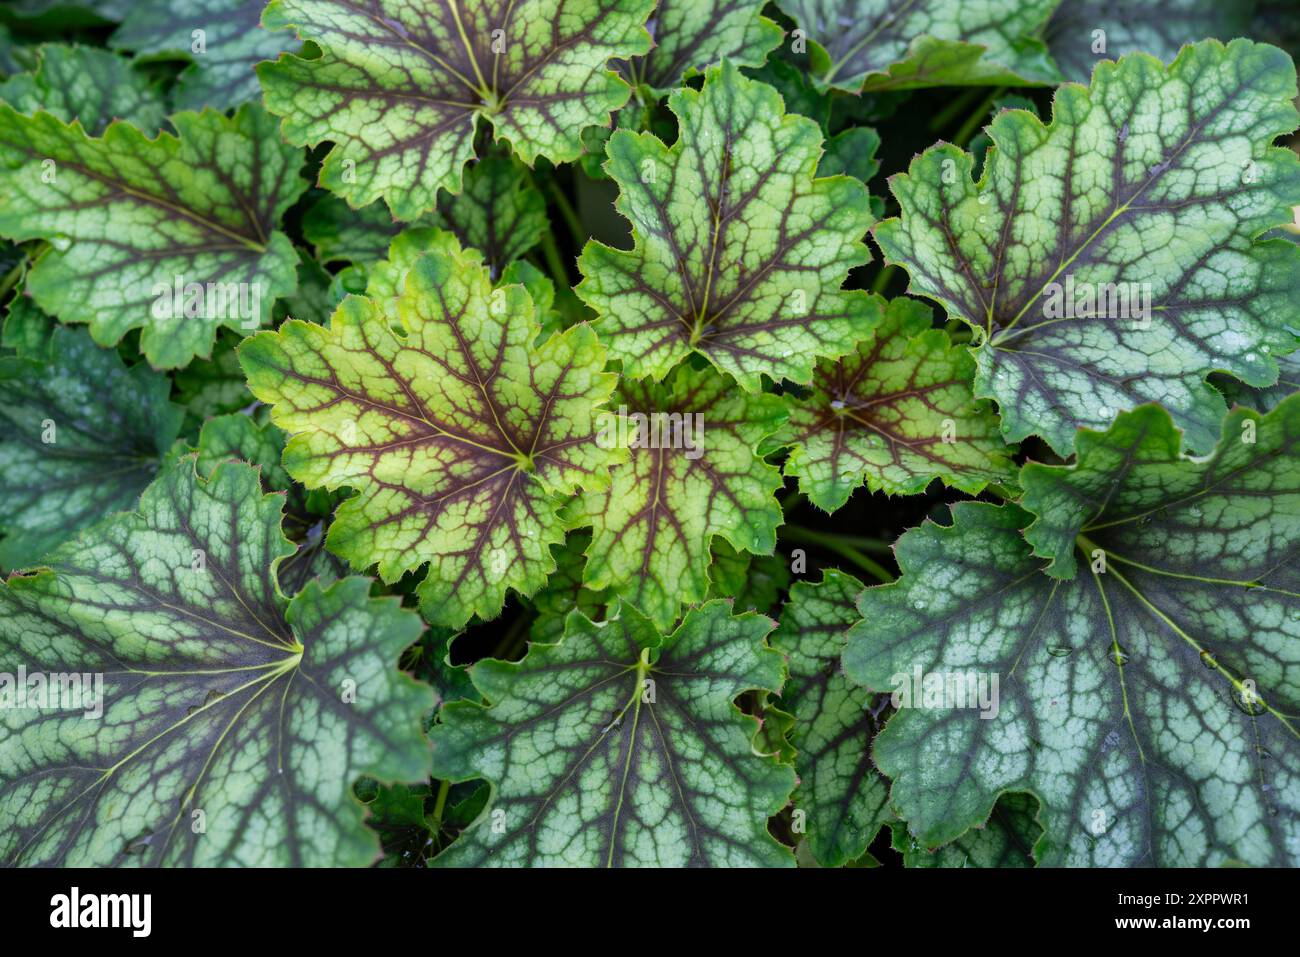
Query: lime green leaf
point(233, 721)
point(230, 43)
point(740, 253)
point(1107, 259)
point(1149, 702)
point(692, 34)
point(905, 44)
point(1006, 839)
point(541, 289)
point(898, 413)
point(460, 435)
point(618, 746)
point(1084, 32)
point(93, 86)
point(692, 474)
point(386, 280)
point(131, 219)
point(399, 88)
point(843, 799)
point(81, 435)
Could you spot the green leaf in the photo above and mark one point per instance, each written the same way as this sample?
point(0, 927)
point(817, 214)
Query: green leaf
point(690, 35)
point(93, 86)
point(256, 441)
point(853, 153)
point(15, 53)
point(798, 91)
point(906, 44)
point(898, 414)
point(618, 746)
point(208, 387)
point(692, 474)
point(221, 72)
point(565, 592)
point(315, 296)
point(740, 253)
point(1129, 26)
point(1006, 839)
point(397, 815)
point(400, 88)
point(433, 666)
point(1132, 491)
point(81, 435)
point(130, 217)
point(1149, 701)
point(1265, 398)
point(219, 695)
point(27, 329)
point(1107, 259)
point(500, 213)
point(461, 437)
point(342, 234)
point(753, 582)
point(238, 437)
point(842, 795)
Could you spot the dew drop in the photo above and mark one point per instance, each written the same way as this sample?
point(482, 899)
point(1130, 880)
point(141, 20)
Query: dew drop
point(1263, 752)
point(1059, 651)
point(1207, 659)
point(1251, 357)
point(1118, 655)
point(1251, 705)
point(1104, 414)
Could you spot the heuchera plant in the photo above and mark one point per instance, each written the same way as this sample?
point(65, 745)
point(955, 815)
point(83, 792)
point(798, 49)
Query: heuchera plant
point(562, 432)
